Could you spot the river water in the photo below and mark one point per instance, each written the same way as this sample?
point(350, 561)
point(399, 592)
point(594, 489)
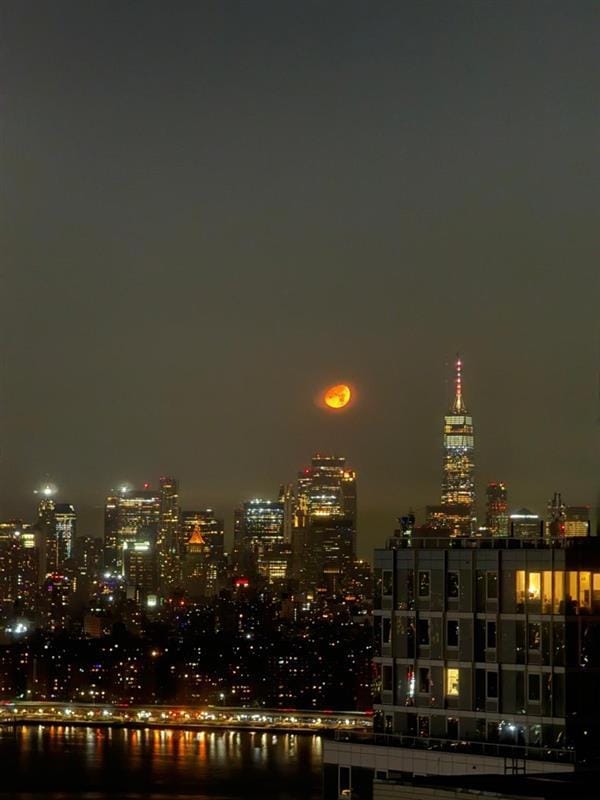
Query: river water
point(64, 763)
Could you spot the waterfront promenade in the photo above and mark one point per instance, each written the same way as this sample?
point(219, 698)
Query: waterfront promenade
point(182, 717)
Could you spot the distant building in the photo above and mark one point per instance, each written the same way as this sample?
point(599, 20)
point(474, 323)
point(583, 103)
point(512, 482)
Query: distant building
point(525, 524)
point(19, 567)
point(324, 533)
point(168, 542)
point(46, 524)
point(496, 519)
point(140, 568)
point(203, 563)
point(128, 514)
point(578, 521)
point(65, 531)
point(455, 513)
point(259, 542)
point(55, 601)
point(87, 556)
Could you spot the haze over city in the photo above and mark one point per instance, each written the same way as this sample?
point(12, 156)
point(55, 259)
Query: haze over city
point(213, 211)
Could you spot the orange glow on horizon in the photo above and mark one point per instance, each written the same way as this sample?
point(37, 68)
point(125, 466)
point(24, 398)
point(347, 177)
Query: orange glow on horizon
point(338, 396)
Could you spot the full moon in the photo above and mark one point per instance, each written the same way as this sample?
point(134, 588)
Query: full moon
point(337, 396)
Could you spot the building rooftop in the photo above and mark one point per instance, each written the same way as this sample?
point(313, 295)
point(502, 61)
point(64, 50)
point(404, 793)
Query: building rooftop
point(429, 542)
point(557, 786)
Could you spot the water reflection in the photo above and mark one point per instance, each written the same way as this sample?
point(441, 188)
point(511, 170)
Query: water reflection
point(67, 762)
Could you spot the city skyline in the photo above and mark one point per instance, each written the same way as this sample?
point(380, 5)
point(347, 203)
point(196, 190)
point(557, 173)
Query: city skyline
point(240, 208)
point(468, 482)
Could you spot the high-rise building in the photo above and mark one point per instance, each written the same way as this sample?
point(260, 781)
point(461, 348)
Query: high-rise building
point(455, 514)
point(168, 544)
point(287, 496)
point(19, 567)
point(46, 523)
point(129, 514)
point(211, 528)
point(326, 489)
point(65, 531)
point(140, 567)
point(203, 562)
point(204, 558)
point(324, 534)
point(55, 600)
point(578, 521)
point(566, 520)
point(497, 509)
point(259, 542)
point(87, 555)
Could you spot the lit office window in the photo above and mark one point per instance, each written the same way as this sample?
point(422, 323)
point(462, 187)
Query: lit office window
point(452, 683)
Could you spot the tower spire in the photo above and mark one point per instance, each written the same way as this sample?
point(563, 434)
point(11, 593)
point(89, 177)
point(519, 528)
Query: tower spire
point(459, 404)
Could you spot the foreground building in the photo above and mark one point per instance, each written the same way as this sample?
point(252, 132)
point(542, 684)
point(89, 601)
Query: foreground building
point(487, 660)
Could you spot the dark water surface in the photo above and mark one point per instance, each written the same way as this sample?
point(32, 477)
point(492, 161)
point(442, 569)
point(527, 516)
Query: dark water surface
point(62, 762)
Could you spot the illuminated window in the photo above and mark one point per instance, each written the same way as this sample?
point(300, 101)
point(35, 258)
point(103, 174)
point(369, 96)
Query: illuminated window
point(559, 592)
point(585, 590)
point(547, 591)
point(520, 585)
point(534, 586)
point(571, 598)
point(410, 684)
point(452, 682)
point(596, 592)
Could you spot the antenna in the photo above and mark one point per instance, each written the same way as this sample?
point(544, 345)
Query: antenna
point(459, 405)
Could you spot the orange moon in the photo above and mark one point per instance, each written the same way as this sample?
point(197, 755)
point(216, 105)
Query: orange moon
point(338, 396)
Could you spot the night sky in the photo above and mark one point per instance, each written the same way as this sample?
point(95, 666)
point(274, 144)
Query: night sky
point(212, 210)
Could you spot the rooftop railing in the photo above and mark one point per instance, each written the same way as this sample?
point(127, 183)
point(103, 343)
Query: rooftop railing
point(491, 543)
point(495, 749)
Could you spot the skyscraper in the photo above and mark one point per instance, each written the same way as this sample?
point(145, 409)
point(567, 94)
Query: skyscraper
point(458, 484)
point(128, 514)
point(65, 528)
point(203, 563)
point(326, 489)
point(259, 542)
point(19, 567)
point(46, 524)
point(168, 545)
point(497, 509)
point(324, 535)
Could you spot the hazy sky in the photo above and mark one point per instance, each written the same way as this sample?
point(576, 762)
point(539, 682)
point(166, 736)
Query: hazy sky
point(210, 210)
